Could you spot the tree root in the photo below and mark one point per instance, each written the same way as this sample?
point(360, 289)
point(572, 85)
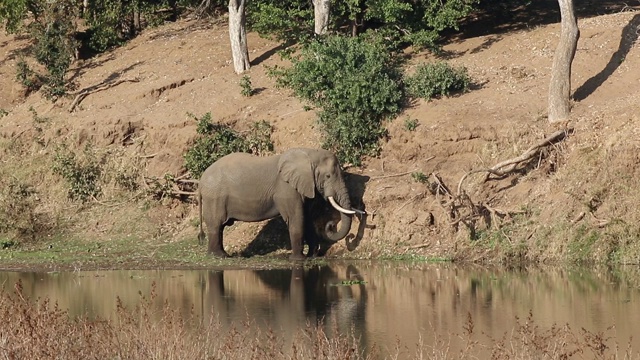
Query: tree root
point(168, 186)
point(94, 89)
point(505, 167)
point(462, 209)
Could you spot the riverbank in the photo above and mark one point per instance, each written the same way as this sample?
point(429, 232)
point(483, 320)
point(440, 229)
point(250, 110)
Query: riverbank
point(574, 201)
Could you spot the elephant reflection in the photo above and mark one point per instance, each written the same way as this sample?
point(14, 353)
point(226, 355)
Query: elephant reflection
point(290, 298)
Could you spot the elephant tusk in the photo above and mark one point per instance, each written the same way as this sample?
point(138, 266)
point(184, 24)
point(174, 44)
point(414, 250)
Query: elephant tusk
point(340, 208)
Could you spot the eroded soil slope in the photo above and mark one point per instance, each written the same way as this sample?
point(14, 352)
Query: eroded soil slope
point(575, 199)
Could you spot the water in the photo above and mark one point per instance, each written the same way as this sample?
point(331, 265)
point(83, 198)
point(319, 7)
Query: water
point(381, 301)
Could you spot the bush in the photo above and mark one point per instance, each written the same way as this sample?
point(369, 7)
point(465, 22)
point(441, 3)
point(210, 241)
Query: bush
point(437, 79)
point(18, 217)
point(218, 140)
point(81, 174)
point(53, 33)
point(355, 85)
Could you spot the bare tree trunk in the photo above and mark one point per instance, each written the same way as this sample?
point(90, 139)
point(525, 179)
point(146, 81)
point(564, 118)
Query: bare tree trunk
point(321, 9)
point(238, 36)
point(560, 86)
point(204, 8)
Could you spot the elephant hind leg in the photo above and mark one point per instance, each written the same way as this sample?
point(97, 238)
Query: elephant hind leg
point(215, 219)
point(215, 241)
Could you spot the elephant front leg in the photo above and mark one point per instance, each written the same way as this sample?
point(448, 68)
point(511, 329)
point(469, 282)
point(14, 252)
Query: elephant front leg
point(296, 232)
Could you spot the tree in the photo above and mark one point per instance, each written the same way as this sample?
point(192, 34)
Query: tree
point(321, 9)
point(560, 85)
point(238, 36)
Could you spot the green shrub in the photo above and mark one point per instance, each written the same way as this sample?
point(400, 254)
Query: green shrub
point(53, 32)
point(82, 174)
point(437, 79)
point(259, 138)
point(410, 124)
point(245, 86)
point(218, 140)
point(27, 77)
point(417, 22)
point(420, 177)
point(354, 84)
point(18, 216)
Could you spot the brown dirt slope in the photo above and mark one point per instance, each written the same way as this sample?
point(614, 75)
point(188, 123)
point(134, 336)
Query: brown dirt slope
point(576, 199)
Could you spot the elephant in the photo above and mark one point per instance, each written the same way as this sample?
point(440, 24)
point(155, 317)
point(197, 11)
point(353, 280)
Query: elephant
point(245, 187)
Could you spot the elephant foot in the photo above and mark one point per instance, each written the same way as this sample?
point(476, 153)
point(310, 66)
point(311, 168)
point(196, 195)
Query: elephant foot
point(219, 253)
point(297, 257)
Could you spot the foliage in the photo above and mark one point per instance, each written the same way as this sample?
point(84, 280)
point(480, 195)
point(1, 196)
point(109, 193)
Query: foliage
point(112, 22)
point(356, 86)
point(27, 77)
point(53, 34)
point(288, 21)
point(82, 174)
point(18, 216)
point(420, 177)
point(437, 79)
point(417, 22)
point(259, 138)
point(245, 86)
point(13, 13)
point(410, 124)
point(218, 140)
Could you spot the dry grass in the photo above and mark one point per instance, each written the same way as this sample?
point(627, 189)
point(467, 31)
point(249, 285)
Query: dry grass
point(40, 330)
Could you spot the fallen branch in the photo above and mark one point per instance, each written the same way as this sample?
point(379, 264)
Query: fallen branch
point(507, 166)
point(511, 164)
point(392, 175)
point(95, 89)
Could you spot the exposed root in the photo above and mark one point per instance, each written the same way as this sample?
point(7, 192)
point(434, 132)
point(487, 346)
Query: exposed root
point(461, 208)
point(94, 89)
point(505, 167)
point(169, 186)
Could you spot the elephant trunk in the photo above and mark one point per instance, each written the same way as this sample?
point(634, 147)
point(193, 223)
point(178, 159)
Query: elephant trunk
point(343, 203)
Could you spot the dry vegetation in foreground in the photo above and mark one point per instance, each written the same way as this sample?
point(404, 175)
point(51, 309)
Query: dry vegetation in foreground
point(41, 330)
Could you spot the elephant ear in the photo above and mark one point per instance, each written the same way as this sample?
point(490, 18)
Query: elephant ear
point(296, 169)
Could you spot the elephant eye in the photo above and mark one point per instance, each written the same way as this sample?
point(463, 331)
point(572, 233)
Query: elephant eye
point(328, 176)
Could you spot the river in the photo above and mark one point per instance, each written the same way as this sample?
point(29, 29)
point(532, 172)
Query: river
point(382, 302)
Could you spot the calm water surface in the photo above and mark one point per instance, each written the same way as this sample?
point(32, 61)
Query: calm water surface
point(381, 301)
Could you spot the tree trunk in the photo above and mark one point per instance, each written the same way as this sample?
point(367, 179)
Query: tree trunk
point(238, 36)
point(560, 86)
point(321, 9)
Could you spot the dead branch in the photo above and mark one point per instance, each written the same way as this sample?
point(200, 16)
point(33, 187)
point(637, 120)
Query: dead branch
point(510, 164)
point(413, 198)
point(167, 188)
point(507, 166)
point(413, 247)
point(94, 89)
point(392, 175)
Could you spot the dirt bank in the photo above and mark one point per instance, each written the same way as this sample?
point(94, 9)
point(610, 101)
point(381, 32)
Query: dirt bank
point(574, 200)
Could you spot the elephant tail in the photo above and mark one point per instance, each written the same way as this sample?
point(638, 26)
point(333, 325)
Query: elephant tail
point(201, 236)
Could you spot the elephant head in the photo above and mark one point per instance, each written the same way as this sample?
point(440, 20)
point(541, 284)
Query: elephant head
point(314, 171)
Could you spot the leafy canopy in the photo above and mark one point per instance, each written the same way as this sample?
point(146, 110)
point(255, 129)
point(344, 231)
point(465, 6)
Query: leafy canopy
point(417, 22)
point(355, 84)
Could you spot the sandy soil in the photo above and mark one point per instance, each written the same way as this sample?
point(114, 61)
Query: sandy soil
point(185, 67)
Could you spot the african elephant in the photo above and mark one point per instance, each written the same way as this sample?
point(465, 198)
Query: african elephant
point(246, 187)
